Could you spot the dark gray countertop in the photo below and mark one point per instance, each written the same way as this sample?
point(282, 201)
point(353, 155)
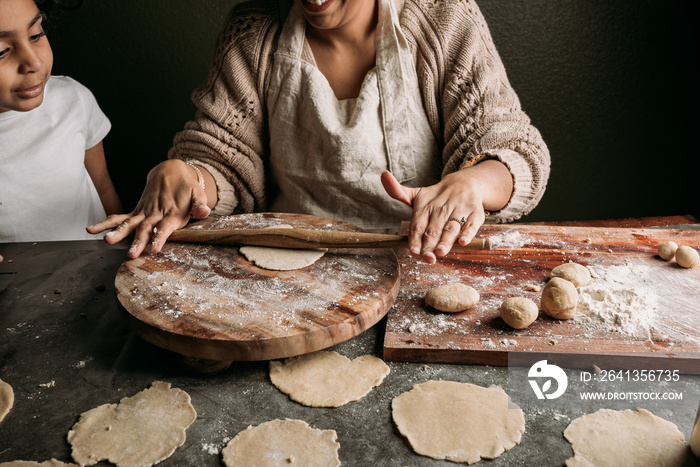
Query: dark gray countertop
point(59, 326)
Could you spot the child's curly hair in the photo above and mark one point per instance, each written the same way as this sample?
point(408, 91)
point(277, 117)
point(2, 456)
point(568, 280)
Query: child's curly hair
point(49, 6)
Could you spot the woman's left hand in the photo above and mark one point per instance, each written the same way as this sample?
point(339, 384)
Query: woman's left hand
point(453, 209)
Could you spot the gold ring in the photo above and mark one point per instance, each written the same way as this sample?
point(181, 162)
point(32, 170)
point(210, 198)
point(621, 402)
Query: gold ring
point(461, 221)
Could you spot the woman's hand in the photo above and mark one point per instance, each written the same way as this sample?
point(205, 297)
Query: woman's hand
point(453, 209)
point(171, 196)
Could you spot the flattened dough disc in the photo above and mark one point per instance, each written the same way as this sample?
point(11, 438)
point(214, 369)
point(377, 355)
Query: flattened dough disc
point(625, 437)
point(459, 422)
point(7, 399)
point(141, 430)
point(327, 379)
point(283, 442)
point(209, 302)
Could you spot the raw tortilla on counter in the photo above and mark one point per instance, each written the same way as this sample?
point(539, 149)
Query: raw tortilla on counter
point(459, 422)
point(141, 430)
point(282, 442)
point(326, 378)
point(612, 437)
point(281, 259)
point(48, 463)
point(7, 399)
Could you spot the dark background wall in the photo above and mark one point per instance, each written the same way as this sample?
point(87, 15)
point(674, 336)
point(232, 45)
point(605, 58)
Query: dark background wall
point(607, 82)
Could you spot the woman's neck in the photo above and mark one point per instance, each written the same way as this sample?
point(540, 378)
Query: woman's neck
point(342, 42)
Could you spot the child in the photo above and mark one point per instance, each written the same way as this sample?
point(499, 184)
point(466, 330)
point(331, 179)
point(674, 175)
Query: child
point(53, 174)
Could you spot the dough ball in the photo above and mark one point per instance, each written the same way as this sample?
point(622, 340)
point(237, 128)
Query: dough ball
point(573, 272)
point(518, 312)
point(559, 298)
point(452, 297)
point(326, 378)
point(283, 442)
point(686, 256)
point(667, 250)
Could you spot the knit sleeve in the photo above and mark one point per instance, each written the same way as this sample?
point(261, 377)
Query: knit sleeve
point(228, 135)
point(479, 112)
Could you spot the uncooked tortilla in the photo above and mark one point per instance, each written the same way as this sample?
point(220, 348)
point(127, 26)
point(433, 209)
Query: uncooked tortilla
point(48, 463)
point(612, 438)
point(326, 378)
point(280, 259)
point(459, 422)
point(282, 442)
point(7, 399)
point(141, 430)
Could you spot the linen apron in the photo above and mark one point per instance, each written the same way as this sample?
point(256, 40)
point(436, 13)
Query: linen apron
point(326, 154)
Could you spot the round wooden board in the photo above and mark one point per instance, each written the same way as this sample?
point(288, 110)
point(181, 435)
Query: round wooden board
point(209, 302)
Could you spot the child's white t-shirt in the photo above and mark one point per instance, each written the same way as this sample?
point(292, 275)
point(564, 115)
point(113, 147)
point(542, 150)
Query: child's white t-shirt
point(45, 191)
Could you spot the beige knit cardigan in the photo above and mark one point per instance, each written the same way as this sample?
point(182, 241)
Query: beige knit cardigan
point(470, 105)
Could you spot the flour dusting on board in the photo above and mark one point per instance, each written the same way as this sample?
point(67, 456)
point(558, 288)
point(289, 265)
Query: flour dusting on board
point(618, 299)
point(509, 239)
point(213, 283)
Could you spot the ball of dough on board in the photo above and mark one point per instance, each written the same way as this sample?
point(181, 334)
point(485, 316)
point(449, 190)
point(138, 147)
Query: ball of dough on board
point(667, 250)
point(518, 312)
point(687, 257)
point(559, 298)
point(452, 297)
point(573, 272)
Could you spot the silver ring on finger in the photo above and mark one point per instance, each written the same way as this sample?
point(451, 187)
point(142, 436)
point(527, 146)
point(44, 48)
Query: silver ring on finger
point(461, 221)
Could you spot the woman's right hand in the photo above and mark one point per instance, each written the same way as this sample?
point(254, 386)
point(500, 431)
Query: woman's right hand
point(172, 195)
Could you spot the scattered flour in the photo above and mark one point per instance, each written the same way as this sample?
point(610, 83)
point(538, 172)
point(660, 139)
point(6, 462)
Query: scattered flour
point(508, 342)
point(430, 325)
point(618, 299)
point(485, 341)
point(210, 448)
point(510, 239)
point(81, 363)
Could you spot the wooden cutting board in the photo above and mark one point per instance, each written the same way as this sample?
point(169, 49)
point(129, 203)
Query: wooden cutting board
point(209, 302)
point(624, 260)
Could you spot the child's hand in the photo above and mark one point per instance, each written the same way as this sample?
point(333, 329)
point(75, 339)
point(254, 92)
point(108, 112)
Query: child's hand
point(172, 195)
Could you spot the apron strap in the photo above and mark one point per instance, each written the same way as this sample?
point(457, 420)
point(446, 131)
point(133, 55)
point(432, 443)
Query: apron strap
point(394, 71)
point(290, 42)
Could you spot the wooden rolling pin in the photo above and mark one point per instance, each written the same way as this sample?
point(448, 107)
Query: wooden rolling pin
point(305, 239)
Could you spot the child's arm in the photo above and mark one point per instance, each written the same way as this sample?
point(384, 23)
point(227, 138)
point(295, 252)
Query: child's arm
point(96, 166)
